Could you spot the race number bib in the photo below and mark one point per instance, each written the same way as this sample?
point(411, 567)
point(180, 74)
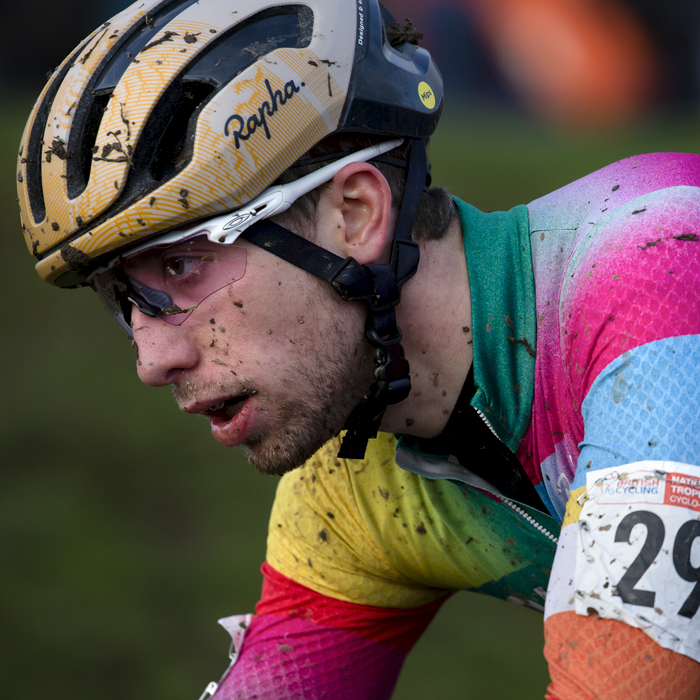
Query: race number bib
point(638, 550)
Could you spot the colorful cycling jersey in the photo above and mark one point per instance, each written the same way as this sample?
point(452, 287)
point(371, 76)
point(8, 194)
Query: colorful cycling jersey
point(586, 327)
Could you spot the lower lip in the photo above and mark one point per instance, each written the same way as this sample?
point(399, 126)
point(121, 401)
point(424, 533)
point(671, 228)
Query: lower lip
point(234, 431)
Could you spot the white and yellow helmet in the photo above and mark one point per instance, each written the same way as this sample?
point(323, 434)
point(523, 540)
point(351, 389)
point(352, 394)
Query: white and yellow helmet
point(178, 110)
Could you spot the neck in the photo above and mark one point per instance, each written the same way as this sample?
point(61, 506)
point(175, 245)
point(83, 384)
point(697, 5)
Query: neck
point(435, 318)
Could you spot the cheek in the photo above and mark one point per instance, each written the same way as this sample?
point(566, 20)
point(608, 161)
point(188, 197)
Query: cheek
point(278, 311)
point(268, 324)
point(273, 295)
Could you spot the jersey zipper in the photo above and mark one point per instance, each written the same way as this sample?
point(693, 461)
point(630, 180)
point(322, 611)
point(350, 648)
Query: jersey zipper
point(486, 420)
point(522, 513)
point(528, 518)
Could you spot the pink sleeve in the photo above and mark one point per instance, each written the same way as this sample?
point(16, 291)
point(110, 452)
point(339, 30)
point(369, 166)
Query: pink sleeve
point(302, 645)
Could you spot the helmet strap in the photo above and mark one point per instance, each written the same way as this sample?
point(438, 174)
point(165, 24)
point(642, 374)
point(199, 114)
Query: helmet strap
point(378, 287)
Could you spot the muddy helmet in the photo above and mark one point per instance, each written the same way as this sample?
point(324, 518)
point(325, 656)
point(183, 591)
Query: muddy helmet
point(183, 109)
point(177, 111)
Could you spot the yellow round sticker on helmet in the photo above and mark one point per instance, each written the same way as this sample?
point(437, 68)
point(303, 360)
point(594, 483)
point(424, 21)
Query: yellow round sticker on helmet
point(426, 94)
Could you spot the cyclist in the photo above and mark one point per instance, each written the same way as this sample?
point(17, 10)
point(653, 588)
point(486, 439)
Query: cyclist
point(245, 185)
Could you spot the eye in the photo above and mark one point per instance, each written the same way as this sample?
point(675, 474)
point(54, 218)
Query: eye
point(182, 266)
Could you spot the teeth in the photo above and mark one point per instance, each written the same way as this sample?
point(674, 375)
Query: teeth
point(231, 407)
point(234, 408)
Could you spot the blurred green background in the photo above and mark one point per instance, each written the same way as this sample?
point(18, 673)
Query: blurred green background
point(126, 530)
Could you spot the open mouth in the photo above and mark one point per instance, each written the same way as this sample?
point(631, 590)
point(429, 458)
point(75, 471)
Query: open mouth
point(225, 410)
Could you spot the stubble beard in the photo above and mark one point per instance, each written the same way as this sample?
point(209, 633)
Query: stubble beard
point(332, 372)
point(295, 430)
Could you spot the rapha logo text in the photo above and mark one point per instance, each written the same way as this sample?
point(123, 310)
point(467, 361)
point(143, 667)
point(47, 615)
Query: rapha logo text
point(242, 129)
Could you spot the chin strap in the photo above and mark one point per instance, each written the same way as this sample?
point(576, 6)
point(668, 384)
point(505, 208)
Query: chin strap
point(377, 286)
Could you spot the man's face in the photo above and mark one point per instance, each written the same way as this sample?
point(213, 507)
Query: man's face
point(275, 360)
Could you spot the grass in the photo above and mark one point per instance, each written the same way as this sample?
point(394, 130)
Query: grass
point(127, 531)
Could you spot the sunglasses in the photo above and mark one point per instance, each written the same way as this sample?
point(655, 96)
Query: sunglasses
point(169, 276)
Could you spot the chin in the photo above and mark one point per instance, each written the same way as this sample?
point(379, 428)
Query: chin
point(294, 430)
point(277, 455)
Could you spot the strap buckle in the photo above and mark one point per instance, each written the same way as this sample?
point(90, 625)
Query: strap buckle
point(392, 373)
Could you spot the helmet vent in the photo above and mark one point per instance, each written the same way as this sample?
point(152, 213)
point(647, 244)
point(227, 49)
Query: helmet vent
point(88, 114)
point(89, 137)
point(34, 154)
point(166, 144)
point(132, 42)
point(171, 153)
point(242, 45)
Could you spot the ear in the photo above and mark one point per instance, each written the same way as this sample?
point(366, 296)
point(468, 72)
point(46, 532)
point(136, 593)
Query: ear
point(354, 214)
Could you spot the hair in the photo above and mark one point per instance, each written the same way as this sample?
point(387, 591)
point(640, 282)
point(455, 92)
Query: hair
point(436, 206)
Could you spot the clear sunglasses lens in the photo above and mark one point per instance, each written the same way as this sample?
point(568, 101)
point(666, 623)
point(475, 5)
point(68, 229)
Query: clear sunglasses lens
point(188, 280)
point(169, 283)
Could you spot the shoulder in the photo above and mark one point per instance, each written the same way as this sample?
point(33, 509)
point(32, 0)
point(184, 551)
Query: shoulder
point(367, 531)
point(633, 279)
point(623, 181)
point(332, 529)
point(577, 207)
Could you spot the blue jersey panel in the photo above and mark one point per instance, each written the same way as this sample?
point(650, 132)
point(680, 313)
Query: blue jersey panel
point(645, 405)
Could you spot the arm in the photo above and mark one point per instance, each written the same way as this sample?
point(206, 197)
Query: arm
point(340, 609)
point(361, 554)
point(590, 657)
point(304, 645)
point(631, 332)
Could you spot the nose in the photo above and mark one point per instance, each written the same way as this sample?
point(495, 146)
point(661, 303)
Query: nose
point(163, 351)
